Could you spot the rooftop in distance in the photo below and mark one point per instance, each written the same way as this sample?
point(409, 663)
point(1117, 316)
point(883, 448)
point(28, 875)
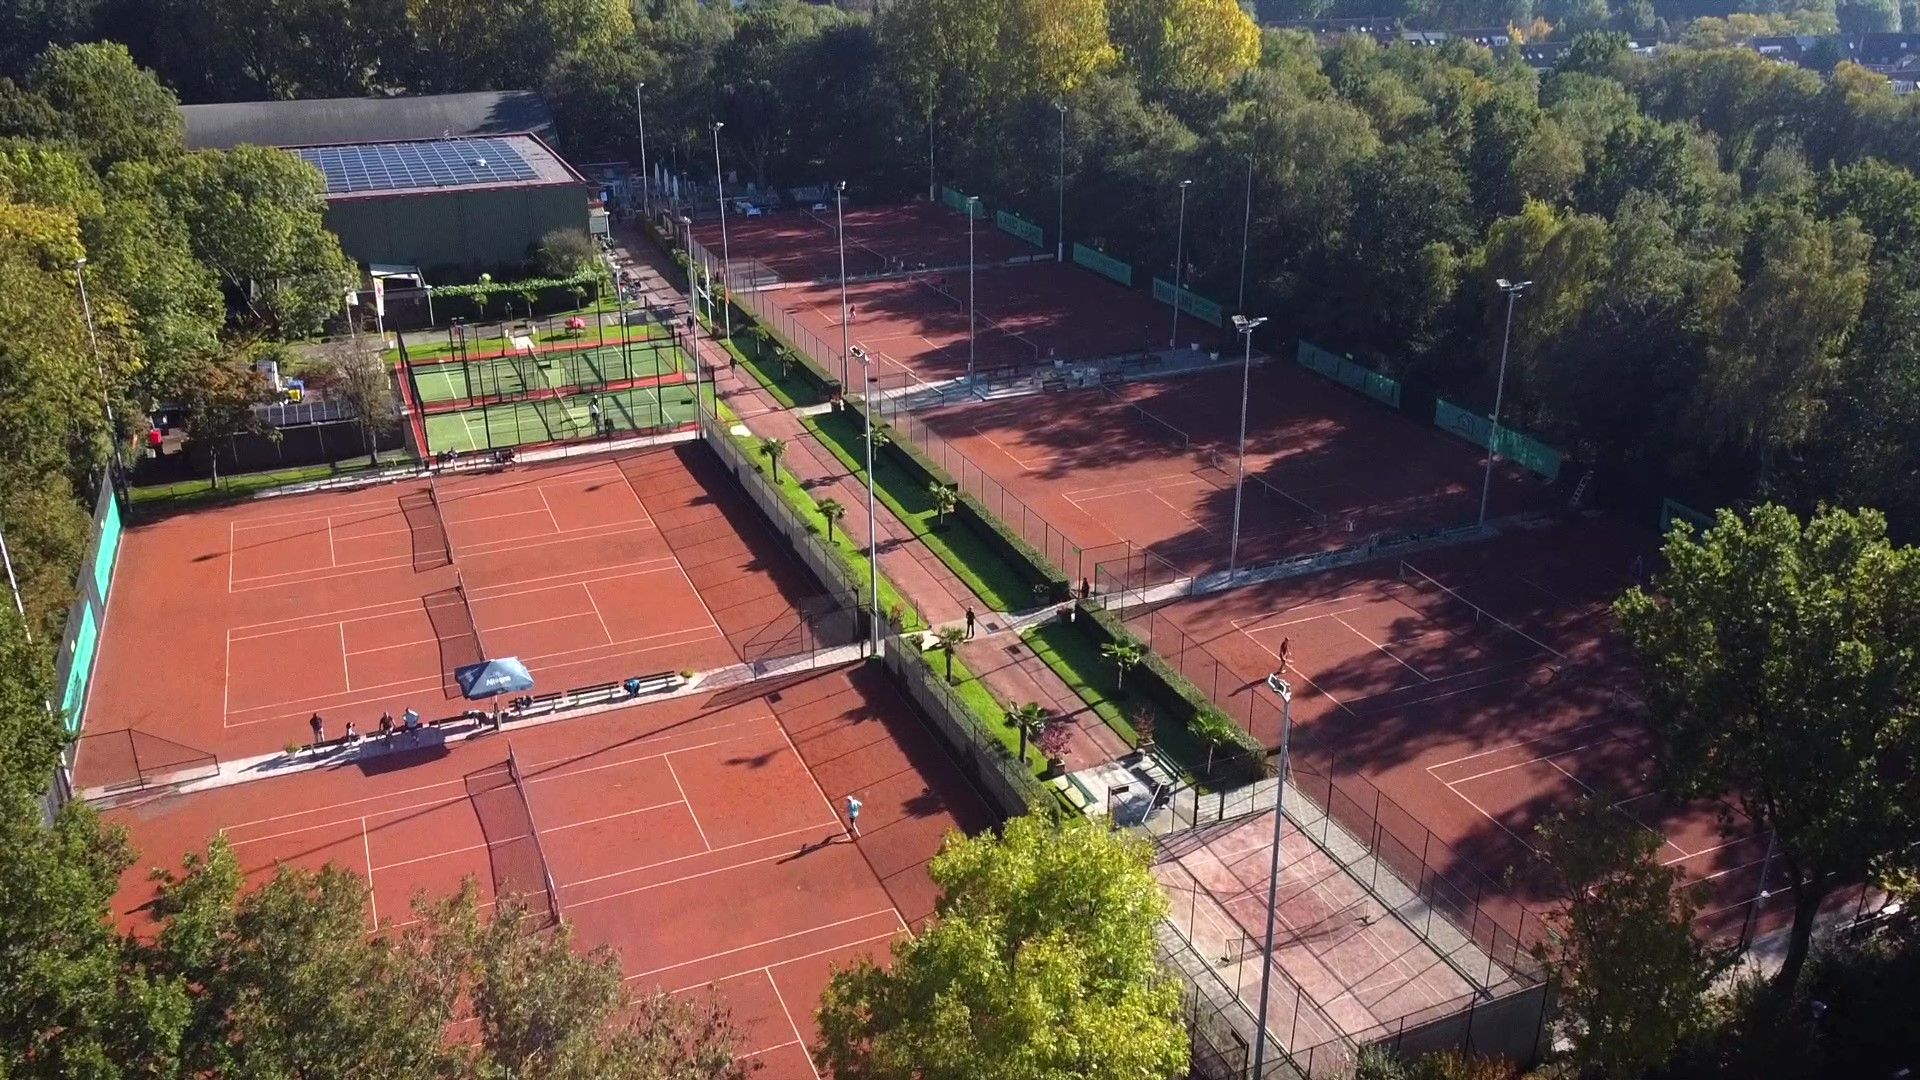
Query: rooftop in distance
point(434, 165)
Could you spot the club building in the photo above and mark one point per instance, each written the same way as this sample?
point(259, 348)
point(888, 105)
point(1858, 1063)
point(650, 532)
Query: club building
point(456, 185)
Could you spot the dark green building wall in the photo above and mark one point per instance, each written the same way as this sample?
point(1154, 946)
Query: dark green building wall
point(456, 235)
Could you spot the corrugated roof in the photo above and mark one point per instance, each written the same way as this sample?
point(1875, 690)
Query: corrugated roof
point(364, 120)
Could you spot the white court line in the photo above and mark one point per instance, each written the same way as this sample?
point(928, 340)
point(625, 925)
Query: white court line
point(1366, 598)
point(587, 587)
point(795, 751)
point(704, 842)
point(322, 618)
point(302, 577)
point(695, 855)
point(1136, 487)
point(781, 998)
point(333, 558)
point(888, 936)
point(1389, 652)
point(628, 569)
point(1709, 850)
point(767, 1050)
point(1514, 745)
point(346, 668)
point(548, 507)
point(1023, 463)
point(760, 944)
point(366, 848)
point(1519, 764)
point(620, 814)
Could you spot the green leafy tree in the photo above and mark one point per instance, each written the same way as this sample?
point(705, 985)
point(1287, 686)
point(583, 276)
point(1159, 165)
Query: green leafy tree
point(1183, 46)
point(947, 639)
point(773, 449)
point(477, 45)
point(1779, 674)
point(1629, 976)
point(1041, 963)
point(1028, 720)
point(220, 393)
point(1125, 656)
point(945, 498)
point(565, 253)
point(72, 1001)
point(254, 216)
point(357, 370)
point(831, 511)
point(94, 99)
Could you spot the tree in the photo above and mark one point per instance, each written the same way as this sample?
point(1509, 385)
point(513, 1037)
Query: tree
point(254, 216)
point(1629, 976)
point(1041, 963)
point(947, 639)
point(71, 1001)
point(1778, 672)
point(945, 498)
point(220, 393)
point(773, 449)
point(566, 253)
point(476, 45)
point(1184, 46)
point(1126, 655)
point(358, 371)
point(1028, 720)
point(93, 98)
point(831, 511)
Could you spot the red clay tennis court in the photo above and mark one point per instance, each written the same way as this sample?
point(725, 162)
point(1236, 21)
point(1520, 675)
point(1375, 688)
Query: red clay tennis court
point(230, 627)
point(1459, 699)
point(701, 837)
point(1152, 465)
point(798, 244)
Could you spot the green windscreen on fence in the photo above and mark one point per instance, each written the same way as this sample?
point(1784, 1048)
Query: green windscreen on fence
point(1020, 227)
point(1103, 264)
point(957, 201)
point(1535, 456)
point(1190, 302)
point(80, 641)
point(1671, 511)
point(1349, 374)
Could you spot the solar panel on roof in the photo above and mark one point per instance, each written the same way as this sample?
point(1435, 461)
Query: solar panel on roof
point(433, 163)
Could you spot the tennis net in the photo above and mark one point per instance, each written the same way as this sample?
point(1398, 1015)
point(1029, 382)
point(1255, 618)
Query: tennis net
point(533, 832)
point(466, 608)
point(861, 259)
point(1267, 493)
point(433, 497)
point(1421, 582)
point(1168, 431)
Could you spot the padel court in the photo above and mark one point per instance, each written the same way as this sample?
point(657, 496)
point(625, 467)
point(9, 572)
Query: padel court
point(701, 837)
point(231, 627)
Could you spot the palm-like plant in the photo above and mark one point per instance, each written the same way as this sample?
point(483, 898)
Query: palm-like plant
point(773, 450)
point(945, 498)
point(882, 436)
point(949, 638)
point(1029, 719)
point(832, 511)
point(1126, 655)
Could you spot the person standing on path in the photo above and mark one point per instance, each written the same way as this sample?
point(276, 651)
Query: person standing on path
point(319, 727)
point(853, 815)
point(970, 620)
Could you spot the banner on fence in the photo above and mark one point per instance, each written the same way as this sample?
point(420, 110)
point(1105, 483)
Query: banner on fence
point(1103, 264)
point(957, 202)
point(1020, 227)
point(1190, 302)
point(1671, 511)
point(73, 665)
point(1349, 374)
point(1535, 456)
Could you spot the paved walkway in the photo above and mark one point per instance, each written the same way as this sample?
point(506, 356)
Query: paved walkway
point(940, 596)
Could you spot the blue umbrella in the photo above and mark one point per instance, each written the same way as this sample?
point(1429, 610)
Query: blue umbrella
point(490, 677)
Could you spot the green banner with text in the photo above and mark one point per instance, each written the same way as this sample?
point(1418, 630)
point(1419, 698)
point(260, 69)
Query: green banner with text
point(1018, 226)
point(1536, 456)
point(1103, 264)
point(1190, 302)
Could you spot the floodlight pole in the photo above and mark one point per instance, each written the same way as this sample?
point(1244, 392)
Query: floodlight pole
point(13, 583)
point(1246, 328)
point(693, 321)
point(1060, 234)
point(646, 178)
point(1246, 236)
point(1513, 289)
point(726, 257)
point(1285, 690)
point(873, 534)
point(93, 342)
point(971, 320)
point(1179, 262)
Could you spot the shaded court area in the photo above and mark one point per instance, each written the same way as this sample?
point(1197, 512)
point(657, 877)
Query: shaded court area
point(231, 627)
point(1151, 467)
point(1445, 707)
point(702, 837)
point(800, 244)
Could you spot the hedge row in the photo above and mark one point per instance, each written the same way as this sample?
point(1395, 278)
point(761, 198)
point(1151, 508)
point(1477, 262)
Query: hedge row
point(1245, 759)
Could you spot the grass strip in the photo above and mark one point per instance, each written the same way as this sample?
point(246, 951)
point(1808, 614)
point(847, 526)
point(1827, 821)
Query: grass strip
point(997, 582)
point(990, 711)
point(801, 501)
point(790, 382)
